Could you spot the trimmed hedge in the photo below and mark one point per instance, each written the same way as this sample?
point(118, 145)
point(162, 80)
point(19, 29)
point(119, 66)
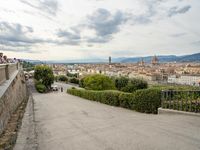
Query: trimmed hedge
point(146, 101)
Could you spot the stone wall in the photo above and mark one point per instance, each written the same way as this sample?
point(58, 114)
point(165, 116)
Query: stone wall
point(12, 93)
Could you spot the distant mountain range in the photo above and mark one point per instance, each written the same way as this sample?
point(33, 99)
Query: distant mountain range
point(166, 58)
point(162, 59)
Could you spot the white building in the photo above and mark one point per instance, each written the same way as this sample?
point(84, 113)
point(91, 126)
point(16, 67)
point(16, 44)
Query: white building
point(184, 80)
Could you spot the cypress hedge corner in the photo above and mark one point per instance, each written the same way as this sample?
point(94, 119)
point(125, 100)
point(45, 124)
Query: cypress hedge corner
point(146, 101)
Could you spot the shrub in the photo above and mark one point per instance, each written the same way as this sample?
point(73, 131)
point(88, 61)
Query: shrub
point(41, 88)
point(74, 80)
point(121, 82)
point(125, 100)
point(73, 75)
point(98, 82)
point(110, 98)
point(134, 84)
point(146, 101)
point(63, 78)
point(81, 83)
point(174, 87)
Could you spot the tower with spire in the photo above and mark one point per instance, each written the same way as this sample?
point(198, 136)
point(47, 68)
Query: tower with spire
point(155, 60)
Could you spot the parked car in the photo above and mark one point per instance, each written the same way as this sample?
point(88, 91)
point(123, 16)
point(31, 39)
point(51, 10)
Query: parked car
point(54, 87)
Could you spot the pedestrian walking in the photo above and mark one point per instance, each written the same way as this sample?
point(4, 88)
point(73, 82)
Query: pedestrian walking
point(61, 89)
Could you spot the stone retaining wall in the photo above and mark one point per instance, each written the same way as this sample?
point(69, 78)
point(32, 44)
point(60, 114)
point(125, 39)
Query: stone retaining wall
point(12, 94)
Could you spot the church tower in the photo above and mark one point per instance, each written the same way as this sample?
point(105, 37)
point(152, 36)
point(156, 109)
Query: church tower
point(155, 60)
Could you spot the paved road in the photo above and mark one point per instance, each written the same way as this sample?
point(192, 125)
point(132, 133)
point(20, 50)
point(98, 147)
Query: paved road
point(65, 122)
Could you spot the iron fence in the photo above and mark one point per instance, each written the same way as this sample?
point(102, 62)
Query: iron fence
point(181, 100)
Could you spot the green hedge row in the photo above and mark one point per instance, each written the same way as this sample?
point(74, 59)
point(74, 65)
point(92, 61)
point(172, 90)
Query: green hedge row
point(146, 101)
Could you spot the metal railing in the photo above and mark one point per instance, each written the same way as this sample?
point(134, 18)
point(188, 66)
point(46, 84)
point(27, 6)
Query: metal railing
point(181, 100)
point(7, 70)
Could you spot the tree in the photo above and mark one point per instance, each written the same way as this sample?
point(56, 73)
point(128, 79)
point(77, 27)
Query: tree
point(121, 82)
point(98, 82)
point(74, 80)
point(75, 75)
point(44, 74)
point(63, 78)
point(135, 84)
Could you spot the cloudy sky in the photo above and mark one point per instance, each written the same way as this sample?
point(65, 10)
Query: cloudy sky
point(91, 29)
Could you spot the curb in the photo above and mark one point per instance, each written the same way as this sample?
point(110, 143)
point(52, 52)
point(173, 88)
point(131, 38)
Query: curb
point(176, 112)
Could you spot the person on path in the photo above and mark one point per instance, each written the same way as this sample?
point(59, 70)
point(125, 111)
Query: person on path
point(61, 89)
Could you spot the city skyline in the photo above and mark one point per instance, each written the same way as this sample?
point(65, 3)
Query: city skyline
point(85, 29)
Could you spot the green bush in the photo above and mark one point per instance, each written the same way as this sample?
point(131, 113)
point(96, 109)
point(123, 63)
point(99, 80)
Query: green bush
point(98, 82)
point(81, 83)
point(125, 100)
point(174, 87)
point(135, 84)
point(62, 78)
point(121, 82)
point(129, 85)
point(146, 101)
point(41, 88)
point(74, 80)
point(72, 75)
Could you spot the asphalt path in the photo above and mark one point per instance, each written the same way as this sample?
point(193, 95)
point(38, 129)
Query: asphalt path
point(66, 122)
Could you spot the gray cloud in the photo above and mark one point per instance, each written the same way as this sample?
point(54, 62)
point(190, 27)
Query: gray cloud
point(154, 7)
point(151, 11)
point(178, 34)
point(71, 37)
point(11, 49)
point(196, 43)
point(14, 37)
point(105, 24)
point(175, 10)
point(141, 19)
point(102, 21)
point(16, 33)
point(99, 39)
point(49, 6)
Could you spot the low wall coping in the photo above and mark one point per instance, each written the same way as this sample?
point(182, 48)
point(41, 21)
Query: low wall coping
point(4, 86)
point(176, 112)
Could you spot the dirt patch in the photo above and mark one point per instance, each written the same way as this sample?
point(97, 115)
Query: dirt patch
point(9, 135)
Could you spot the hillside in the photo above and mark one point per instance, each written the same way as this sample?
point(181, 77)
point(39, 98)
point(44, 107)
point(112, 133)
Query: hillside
point(167, 58)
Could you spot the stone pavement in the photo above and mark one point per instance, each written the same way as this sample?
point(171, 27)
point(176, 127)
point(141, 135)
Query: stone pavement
point(65, 122)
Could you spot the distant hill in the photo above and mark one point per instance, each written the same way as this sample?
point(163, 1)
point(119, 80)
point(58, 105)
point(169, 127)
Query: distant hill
point(167, 58)
point(32, 61)
point(162, 59)
point(190, 58)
